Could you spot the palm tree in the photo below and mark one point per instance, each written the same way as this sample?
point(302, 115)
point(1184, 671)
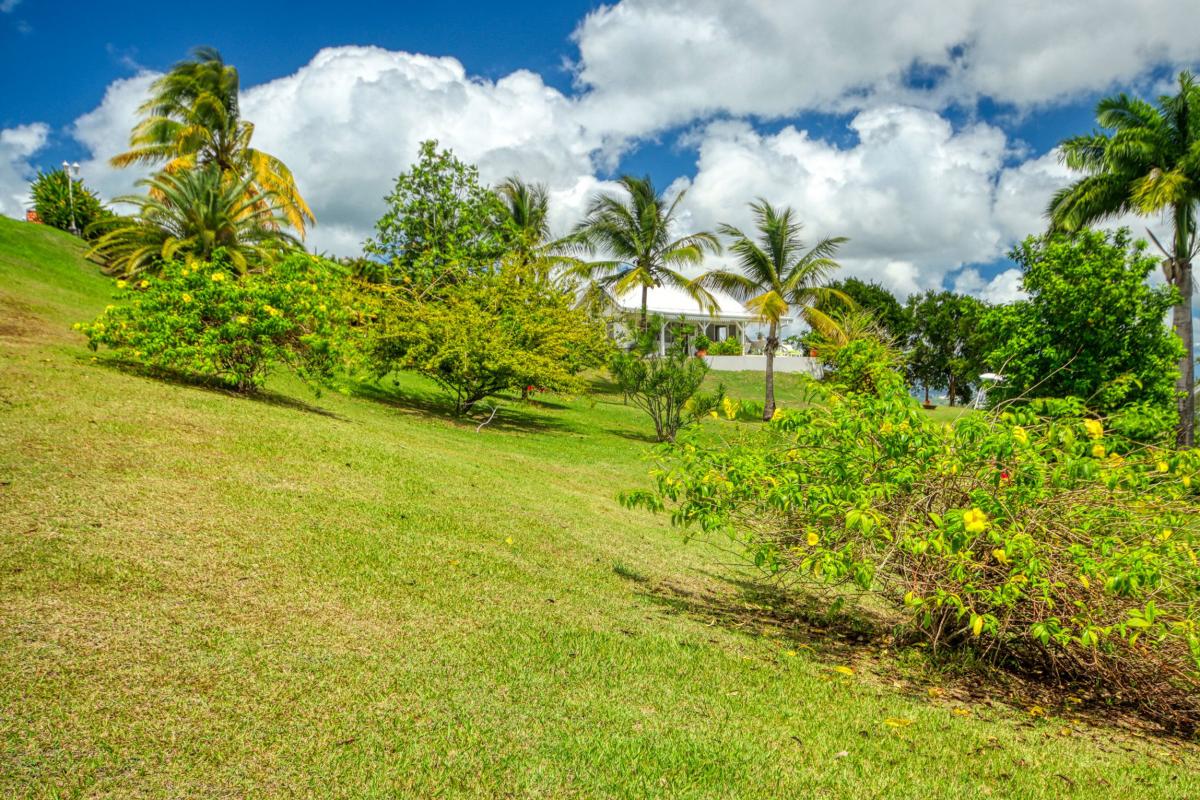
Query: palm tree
point(778, 275)
point(192, 120)
point(1149, 163)
point(527, 210)
point(635, 232)
point(190, 215)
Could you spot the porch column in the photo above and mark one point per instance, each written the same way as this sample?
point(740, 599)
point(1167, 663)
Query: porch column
point(662, 340)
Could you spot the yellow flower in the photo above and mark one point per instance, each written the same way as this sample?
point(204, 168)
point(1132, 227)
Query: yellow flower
point(1094, 428)
point(1083, 579)
point(886, 428)
point(508, 540)
point(218, 276)
point(1098, 450)
point(1162, 466)
point(143, 284)
point(1167, 533)
point(976, 625)
point(813, 539)
point(1187, 481)
point(122, 284)
point(271, 311)
point(243, 320)
point(187, 298)
point(975, 520)
point(1020, 435)
point(1000, 556)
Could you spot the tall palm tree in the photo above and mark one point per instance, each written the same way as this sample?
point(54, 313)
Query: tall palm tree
point(192, 120)
point(635, 232)
point(778, 276)
point(1149, 163)
point(527, 211)
point(190, 215)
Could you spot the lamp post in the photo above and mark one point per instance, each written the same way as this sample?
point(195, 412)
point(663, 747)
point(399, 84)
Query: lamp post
point(68, 170)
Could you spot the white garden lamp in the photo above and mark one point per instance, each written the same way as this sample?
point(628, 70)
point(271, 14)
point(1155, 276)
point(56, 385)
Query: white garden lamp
point(69, 170)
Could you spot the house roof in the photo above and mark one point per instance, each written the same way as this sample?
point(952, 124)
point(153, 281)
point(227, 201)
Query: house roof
point(671, 301)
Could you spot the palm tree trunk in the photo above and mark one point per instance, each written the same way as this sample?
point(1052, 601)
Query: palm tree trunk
point(1185, 384)
point(645, 297)
point(769, 403)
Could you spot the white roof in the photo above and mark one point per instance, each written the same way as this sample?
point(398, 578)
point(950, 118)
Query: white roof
point(671, 301)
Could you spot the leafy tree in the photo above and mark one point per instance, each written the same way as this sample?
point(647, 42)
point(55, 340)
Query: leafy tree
point(189, 215)
point(1091, 327)
point(202, 319)
point(890, 315)
point(636, 233)
point(192, 120)
point(666, 386)
point(946, 348)
point(779, 276)
point(488, 333)
point(441, 224)
point(1149, 163)
point(60, 204)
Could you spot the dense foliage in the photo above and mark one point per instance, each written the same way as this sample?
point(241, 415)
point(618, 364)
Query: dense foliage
point(666, 386)
point(441, 223)
point(203, 320)
point(891, 317)
point(192, 121)
point(487, 333)
point(189, 216)
point(62, 203)
point(1091, 328)
point(1045, 543)
point(946, 346)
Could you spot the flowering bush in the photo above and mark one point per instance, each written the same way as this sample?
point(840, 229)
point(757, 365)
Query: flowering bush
point(202, 319)
point(1043, 540)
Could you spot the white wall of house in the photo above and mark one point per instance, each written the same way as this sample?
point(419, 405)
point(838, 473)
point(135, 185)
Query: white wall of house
point(800, 364)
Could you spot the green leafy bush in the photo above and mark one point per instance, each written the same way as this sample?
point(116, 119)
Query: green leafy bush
point(664, 386)
point(1091, 328)
point(203, 320)
point(60, 205)
point(1043, 542)
point(726, 347)
point(702, 343)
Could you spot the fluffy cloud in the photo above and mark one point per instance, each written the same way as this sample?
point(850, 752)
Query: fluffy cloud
point(16, 146)
point(664, 62)
point(915, 197)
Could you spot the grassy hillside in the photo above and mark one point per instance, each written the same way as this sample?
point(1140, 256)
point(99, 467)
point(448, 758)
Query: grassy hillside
point(203, 595)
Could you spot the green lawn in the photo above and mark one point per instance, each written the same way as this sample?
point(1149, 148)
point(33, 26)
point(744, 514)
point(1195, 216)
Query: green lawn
point(203, 595)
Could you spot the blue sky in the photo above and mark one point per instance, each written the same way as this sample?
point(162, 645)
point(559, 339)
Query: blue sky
point(923, 131)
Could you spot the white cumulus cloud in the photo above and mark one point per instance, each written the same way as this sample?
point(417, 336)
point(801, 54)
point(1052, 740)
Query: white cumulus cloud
point(16, 146)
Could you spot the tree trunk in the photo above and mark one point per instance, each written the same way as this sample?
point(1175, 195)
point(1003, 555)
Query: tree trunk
point(950, 390)
point(769, 403)
point(927, 394)
point(645, 294)
point(1185, 384)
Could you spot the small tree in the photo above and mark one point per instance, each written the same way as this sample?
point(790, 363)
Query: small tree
point(890, 316)
point(54, 200)
point(945, 345)
point(665, 386)
point(1092, 328)
point(440, 224)
point(488, 333)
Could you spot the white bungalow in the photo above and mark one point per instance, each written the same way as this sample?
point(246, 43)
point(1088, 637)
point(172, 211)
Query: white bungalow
point(673, 304)
point(729, 321)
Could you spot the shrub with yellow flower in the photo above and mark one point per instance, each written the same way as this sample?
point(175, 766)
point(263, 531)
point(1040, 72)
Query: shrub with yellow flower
point(975, 520)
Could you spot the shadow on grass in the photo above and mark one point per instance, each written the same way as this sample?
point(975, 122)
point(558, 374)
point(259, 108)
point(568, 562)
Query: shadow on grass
point(214, 385)
point(851, 634)
point(513, 415)
point(831, 629)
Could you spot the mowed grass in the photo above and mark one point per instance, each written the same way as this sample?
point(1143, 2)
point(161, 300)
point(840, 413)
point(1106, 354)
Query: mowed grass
point(203, 595)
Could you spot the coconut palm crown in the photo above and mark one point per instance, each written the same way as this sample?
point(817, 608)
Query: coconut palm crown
point(636, 233)
point(189, 215)
point(192, 120)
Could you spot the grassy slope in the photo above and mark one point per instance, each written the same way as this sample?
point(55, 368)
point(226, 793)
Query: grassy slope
point(208, 596)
